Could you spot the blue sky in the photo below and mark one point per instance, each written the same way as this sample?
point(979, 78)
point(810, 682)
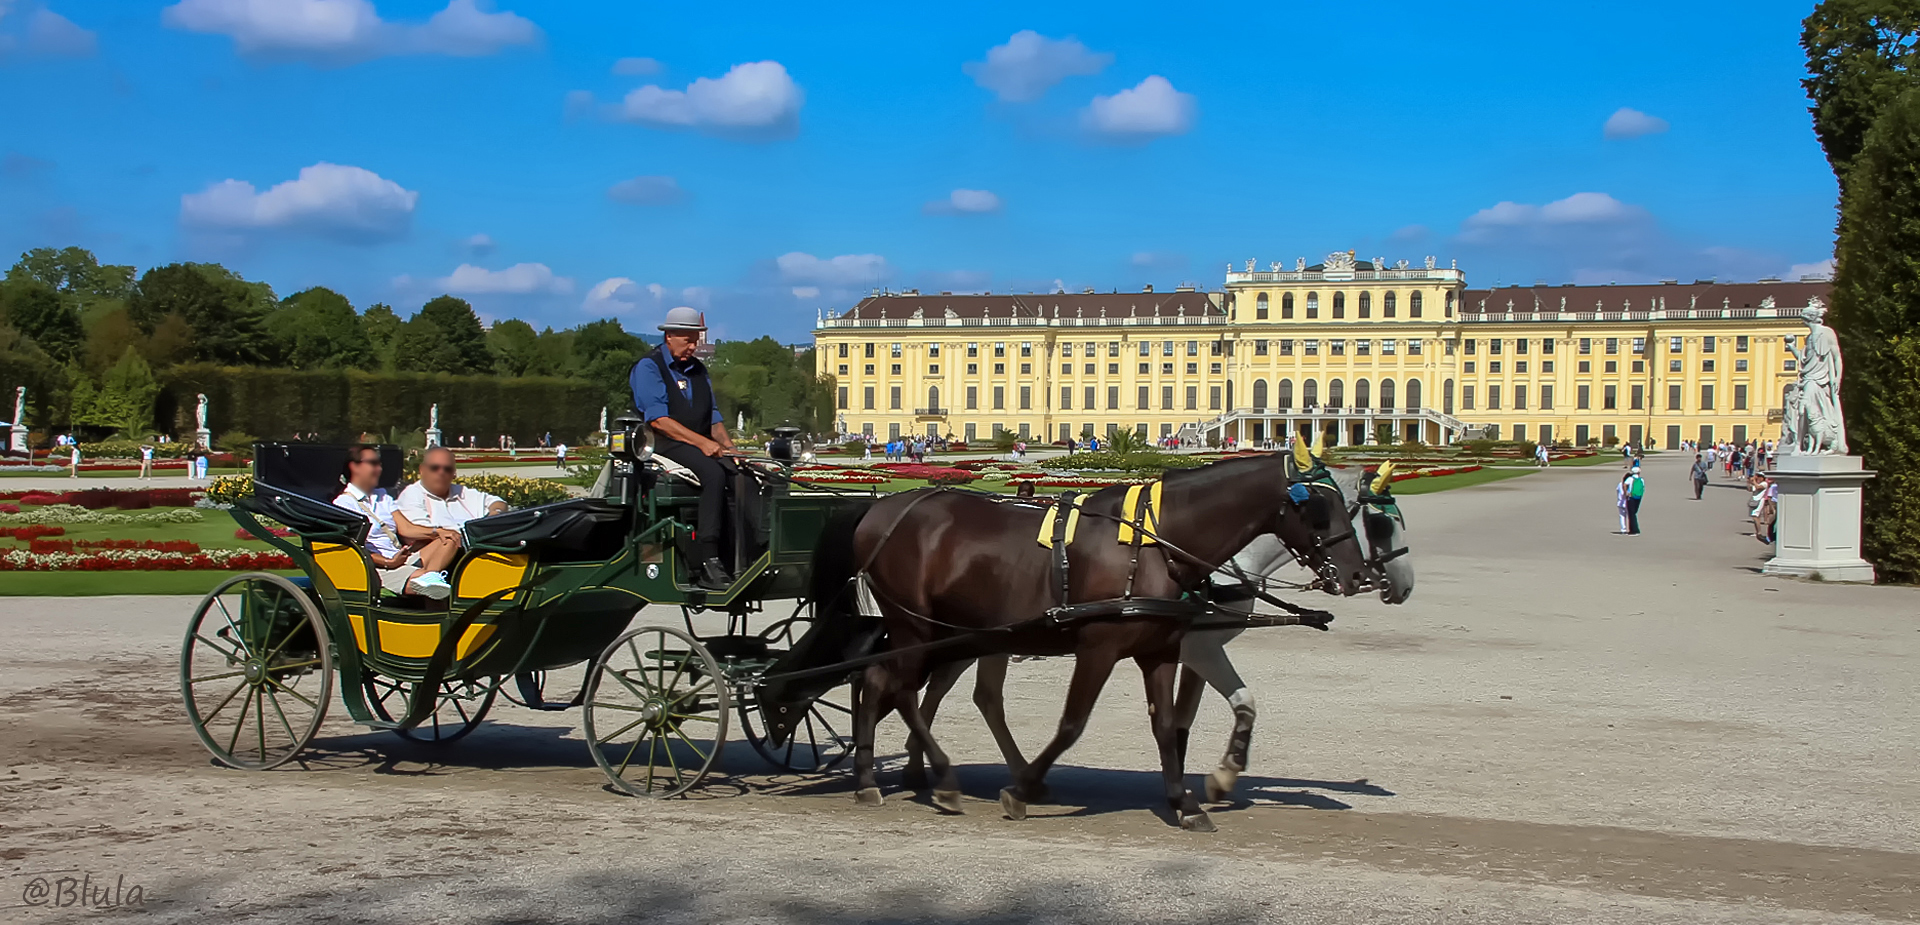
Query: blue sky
point(790, 157)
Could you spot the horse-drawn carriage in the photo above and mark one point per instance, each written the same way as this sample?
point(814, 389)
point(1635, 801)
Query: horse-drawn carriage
point(536, 591)
point(544, 589)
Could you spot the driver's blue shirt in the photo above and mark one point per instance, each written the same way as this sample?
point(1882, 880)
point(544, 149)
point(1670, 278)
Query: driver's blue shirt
point(650, 393)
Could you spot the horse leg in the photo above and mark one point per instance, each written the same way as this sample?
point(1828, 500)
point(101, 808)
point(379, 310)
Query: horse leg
point(1205, 656)
point(938, 684)
point(1158, 675)
point(989, 695)
point(875, 689)
point(946, 793)
point(1186, 707)
point(1090, 672)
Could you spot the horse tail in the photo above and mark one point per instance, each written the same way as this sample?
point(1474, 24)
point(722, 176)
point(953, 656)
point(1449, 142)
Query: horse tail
point(836, 632)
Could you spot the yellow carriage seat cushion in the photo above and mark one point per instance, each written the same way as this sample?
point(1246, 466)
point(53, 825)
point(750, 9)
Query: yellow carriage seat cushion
point(489, 572)
point(346, 567)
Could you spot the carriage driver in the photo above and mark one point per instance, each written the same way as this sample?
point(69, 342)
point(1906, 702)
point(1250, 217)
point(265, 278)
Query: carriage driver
point(674, 396)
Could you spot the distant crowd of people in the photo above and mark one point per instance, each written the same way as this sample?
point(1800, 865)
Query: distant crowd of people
point(1748, 462)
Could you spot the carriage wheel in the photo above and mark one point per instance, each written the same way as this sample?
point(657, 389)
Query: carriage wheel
point(656, 711)
point(256, 671)
point(459, 708)
point(822, 738)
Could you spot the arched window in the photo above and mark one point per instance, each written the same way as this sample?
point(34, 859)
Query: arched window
point(1361, 396)
point(1386, 394)
point(1286, 305)
point(933, 396)
point(1313, 305)
point(1260, 307)
point(1446, 397)
point(1413, 304)
point(1339, 305)
point(1387, 305)
point(1285, 400)
point(1336, 394)
point(1260, 393)
point(1366, 305)
point(1309, 394)
point(1413, 395)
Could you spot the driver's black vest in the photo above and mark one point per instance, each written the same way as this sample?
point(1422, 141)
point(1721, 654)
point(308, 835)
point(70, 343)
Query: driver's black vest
point(695, 413)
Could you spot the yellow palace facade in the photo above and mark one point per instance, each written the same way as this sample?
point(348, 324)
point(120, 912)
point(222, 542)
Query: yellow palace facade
point(1357, 350)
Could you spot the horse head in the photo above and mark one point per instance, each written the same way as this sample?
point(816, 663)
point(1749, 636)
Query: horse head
point(1375, 518)
point(1314, 526)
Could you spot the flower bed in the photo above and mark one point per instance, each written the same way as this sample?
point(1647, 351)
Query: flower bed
point(46, 545)
point(140, 560)
point(32, 532)
point(1048, 480)
point(98, 499)
point(838, 475)
point(942, 474)
point(517, 491)
point(74, 514)
point(228, 488)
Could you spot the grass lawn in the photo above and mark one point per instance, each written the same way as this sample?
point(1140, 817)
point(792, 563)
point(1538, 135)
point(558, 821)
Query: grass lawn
point(1431, 484)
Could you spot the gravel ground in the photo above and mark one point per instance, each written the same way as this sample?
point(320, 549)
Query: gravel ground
point(1563, 725)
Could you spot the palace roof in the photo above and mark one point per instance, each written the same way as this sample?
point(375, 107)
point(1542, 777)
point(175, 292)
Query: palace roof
point(895, 306)
point(1704, 294)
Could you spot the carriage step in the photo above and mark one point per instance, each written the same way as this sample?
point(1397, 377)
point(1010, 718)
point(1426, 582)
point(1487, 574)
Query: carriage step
point(380, 724)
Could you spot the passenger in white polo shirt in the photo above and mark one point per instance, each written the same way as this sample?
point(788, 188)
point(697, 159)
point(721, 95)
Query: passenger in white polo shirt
point(404, 567)
point(437, 507)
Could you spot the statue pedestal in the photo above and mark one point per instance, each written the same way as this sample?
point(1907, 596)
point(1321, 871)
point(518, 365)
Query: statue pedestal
point(433, 437)
point(1818, 519)
point(18, 441)
point(203, 437)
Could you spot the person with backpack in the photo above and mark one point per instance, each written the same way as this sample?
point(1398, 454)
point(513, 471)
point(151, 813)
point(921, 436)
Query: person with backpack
point(1636, 489)
point(1701, 469)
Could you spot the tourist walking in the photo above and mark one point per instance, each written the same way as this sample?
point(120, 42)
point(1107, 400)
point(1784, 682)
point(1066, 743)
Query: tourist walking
point(146, 461)
point(1636, 490)
point(1760, 508)
point(76, 462)
point(1620, 500)
point(1699, 475)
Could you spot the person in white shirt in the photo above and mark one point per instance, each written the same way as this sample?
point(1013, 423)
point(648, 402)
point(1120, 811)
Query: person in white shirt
point(560, 455)
point(404, 567)
point(435, 506)
point(146, 461)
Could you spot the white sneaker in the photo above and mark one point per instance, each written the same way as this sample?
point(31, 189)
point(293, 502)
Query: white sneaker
point(431, 585)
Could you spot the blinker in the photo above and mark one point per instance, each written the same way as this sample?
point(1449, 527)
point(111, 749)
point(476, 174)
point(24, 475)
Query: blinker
point(1298, 493)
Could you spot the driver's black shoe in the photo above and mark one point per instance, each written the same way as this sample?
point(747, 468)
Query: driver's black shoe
point(713, 576)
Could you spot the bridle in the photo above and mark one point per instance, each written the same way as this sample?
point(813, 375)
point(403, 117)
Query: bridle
point(1375, 559)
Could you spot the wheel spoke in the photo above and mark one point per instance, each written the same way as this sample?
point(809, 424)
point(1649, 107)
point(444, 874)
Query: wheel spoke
point(698, 717)
point(639, 666)
point(260, 718)
point(302, 697)
point(674, 762)
point(232, 656)
point(240, 723)
point(208, 719)
point(298, 625)
point(829, 703)
point(635, 691)
point(240, 636)
point(218, 677)
point(291, 735)
point(615, 735)
point(704, 757)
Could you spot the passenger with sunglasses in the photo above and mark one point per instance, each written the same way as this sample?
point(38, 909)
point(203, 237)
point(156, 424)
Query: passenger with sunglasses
point(436, 507)
point(404, 566)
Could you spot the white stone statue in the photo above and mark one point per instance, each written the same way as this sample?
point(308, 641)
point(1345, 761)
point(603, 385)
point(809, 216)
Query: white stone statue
point(433, 417)
point(1249, 264)
point(1790, 424)
point(1429, 261)
point(603, 419)
point(200, 411)
point(1818, 426)
point(1299, 264)
point(20, 406)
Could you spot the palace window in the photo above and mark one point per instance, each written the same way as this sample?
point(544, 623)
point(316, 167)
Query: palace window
point(1026, 348)
point(1066, 350)
point(1366, 305)
point(1740, 344)
point(1193, 398)
point(1193, 368)
point(1313, 305)
point(1363, 347)
point(867, 398)
point(1113, 398)
point(1706, 366)
point(1144, 367)
point(1260, 307)
point(1586, 366)
point(1213, 368)
point(1639, 346)
point(973, 369)
point(1286, 305)
point(1739, 366)
point(1413, 347)
point(1213, 398)
point(999, 369)
point(1706, 345)
point(1113, 348)
point(1586, 346)
point(1193, 348)
point(1339, 305)
point(842, 402)
point(1493, 346)
point(973, 350)
point(1583, 397)
point(1259, 348)
point(973, 398)
point(1387, 347)
point(1286, 347)
point(893, 398)
point(1066, 398)
point(894, 369)
point(1493, 398)
point(1520, 366)
point(1609, 398)
point(1493, 366)
point(1613, 346)
point(1026, 369)
point(1066, 369)
point(1473, 346)
point(1546, 397)
point(867, 369)
point(1520, 345)
point(1637, 398)
point(1310, 348)
point(1026, 398)
point(1337, 348)
point(1144, 398)
point(1613, 366)
point(933, 369)
point(843, 351)
point(1467, 366)
point(933, 350)
point(1639, 366)
point(1706, 396)
point(896, 350)
point(1546, 366)
point(1466, 398)
point(1546, 345)
point(1309, 394)
point(1146, 348)
point(1673, 366)
point(1088, 369)
point(1284, 400)
point(1675, 345)
point(1000, 349)
point(1166, 348)
point(1674, 400)
point(1413, 305)
point(1387, 305)
point(1166, 398)
point(1739, 397)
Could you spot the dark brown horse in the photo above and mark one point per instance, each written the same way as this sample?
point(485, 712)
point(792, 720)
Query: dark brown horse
point(957, 576)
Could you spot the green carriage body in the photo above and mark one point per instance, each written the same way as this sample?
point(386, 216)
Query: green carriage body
point(536, 590)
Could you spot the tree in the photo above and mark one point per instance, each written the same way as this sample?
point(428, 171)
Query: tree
point(382, 327)
point(223, 310)
point(1876, 313)
point(1859, 58)
point(771, 385)
point(515, 347)
point(318, 329)
point(74, 273)
point(124, 399)
point(38, 312)
point(461, 335)
point(108, 337)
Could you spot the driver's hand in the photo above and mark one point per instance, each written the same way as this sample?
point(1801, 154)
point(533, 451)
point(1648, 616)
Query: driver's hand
point(712, 448)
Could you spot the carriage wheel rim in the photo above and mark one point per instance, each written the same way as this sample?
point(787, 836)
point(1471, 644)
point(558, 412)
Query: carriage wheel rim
point(656, 710)
point(454, 713)
point(233, 668)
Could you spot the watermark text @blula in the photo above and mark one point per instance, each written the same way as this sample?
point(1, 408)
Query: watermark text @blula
point(78, 889)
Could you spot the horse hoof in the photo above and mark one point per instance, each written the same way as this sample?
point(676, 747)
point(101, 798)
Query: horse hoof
point(1219, 787)
point(914, 779)
point(868, 796)
point(1013, 806)
point(948, 801)
point(1198, 822)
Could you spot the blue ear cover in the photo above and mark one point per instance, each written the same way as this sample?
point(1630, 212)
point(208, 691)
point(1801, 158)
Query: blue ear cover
point(1298, 493)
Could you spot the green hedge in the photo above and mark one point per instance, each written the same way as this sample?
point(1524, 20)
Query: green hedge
point(342, 404)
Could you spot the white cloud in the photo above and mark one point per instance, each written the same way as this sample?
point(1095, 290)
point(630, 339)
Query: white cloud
point(479, 245)
point(345, 30)
point(519, 279)
point(1151, 109)
point(806, 292)
point(1632, 123)
point(31, 29)
point(619, 295)
point(1817, 268)
point(330, 200)
point(756, 98)
point(647, 191)
point(964, 200)
point(1029, 64)
point(846, 270)
point(637, 67)
point(1157, 260)
point(1577, 209)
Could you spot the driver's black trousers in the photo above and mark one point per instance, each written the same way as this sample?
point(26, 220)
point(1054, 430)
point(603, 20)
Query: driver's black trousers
point(716, 476)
